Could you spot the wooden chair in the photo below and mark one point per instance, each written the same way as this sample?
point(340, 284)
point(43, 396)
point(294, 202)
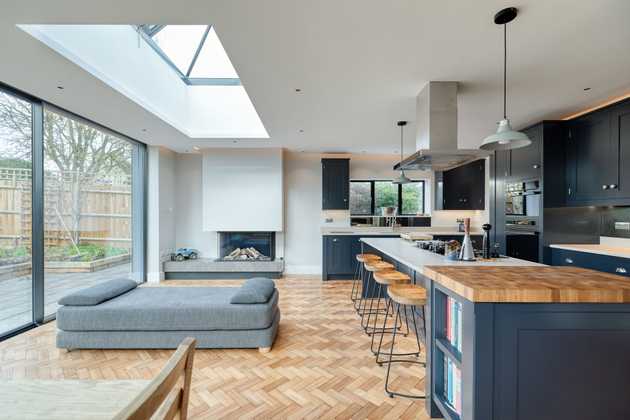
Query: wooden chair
point(165, 396)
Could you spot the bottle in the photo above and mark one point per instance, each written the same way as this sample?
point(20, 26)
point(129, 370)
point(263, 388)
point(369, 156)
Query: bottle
point(467, 252)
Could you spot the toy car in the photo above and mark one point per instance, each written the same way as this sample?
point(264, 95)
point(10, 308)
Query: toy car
point(185, 254)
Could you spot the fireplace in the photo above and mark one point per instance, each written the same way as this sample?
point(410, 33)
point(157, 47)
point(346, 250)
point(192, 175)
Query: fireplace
point(247, 246)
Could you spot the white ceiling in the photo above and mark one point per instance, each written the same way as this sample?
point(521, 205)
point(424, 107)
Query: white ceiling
point(359, 64)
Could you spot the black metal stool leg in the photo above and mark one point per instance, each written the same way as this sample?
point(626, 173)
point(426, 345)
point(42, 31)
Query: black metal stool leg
point(391, 361)
point(370, 289)
point(355, 280)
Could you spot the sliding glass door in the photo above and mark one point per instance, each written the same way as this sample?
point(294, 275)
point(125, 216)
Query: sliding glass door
point(87, 206)
point(72, 205)
point(16, 282)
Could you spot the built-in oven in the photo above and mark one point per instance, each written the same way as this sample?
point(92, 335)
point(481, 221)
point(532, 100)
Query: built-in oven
point(522, 198)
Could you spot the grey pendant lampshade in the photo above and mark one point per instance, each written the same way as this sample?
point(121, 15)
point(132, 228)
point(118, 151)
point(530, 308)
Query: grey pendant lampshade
point(402, 178)
point(505, 138)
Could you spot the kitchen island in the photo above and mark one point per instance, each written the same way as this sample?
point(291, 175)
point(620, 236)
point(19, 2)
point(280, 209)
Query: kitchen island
point(508, 339)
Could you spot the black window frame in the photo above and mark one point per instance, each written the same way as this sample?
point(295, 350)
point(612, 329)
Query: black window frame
point(400, 199)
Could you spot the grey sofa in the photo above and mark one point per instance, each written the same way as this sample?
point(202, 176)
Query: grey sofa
point(118, 317)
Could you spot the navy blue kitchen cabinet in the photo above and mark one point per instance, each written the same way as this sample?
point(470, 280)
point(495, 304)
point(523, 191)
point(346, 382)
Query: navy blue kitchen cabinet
point(339, 255)
point(605, 263)
point(463, 188)
point(598, 146)
point(335, 184)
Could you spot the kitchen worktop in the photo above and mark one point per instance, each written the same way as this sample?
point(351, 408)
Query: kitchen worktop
point(413, 257)
point(600, 249)
point(376, 231)
point(531, 284)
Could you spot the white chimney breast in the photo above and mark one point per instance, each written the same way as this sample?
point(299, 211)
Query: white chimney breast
point(243, 190)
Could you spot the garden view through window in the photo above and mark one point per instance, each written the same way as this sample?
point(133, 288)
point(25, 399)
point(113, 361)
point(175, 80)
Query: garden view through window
point(87, 206)
point(370, 197)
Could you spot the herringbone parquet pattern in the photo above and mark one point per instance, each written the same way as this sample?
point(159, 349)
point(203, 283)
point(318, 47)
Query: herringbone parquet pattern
point(319, 367)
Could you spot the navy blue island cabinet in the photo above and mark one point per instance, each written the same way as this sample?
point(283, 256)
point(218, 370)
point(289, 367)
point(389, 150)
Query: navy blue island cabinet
point(521, 343)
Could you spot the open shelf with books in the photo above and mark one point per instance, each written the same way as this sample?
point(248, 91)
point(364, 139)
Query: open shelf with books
point(447, 357)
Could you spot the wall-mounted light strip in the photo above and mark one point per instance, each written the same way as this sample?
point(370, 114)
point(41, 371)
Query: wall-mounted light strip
point(596, 107)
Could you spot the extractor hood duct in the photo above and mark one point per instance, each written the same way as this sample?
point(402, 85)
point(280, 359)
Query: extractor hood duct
point(436, 131)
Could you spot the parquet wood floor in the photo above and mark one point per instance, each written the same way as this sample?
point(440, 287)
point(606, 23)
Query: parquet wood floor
point(319, 367)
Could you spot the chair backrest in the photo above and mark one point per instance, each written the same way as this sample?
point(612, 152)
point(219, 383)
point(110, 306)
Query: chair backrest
point(163, 398)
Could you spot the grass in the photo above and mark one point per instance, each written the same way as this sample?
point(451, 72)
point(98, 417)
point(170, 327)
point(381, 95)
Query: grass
point(87, 252)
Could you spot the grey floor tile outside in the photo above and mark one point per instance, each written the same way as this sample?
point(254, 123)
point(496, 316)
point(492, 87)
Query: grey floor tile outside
point(16, 296)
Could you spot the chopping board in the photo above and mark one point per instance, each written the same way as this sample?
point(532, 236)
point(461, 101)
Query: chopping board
point(416, 236)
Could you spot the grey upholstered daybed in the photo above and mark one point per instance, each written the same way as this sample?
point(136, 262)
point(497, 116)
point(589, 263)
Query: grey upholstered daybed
point(119, 315)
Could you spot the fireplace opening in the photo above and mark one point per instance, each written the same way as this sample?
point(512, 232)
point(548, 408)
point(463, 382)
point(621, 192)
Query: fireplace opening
point(247, 246)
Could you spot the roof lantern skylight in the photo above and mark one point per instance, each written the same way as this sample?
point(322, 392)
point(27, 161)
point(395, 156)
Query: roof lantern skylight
point(193, 51)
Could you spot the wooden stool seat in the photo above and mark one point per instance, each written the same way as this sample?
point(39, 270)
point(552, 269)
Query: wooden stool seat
point(367, 257)
point(375, 266)
point(408, 294)
point(391, 277)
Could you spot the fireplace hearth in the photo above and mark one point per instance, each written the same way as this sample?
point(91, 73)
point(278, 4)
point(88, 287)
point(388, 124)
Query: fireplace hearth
point(247, 246)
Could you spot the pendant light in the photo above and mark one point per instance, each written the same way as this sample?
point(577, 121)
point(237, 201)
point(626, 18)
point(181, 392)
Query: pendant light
point(402, 178)
point(505, 138)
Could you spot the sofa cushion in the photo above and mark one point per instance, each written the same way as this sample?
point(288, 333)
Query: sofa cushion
point(254, 290)
point(98, 293)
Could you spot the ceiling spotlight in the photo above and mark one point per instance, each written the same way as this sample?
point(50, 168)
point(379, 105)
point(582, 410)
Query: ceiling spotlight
point(301, 130)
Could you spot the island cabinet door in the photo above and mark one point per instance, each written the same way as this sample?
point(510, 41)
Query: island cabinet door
point(561, 361)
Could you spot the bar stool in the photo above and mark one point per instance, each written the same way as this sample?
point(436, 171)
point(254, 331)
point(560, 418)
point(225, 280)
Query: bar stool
point(387, 279)
point(359, 272)
point(371, 267)
point(404, 297)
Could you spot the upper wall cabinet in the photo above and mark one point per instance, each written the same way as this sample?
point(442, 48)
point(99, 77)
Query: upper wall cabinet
point(335, 184)
point(598, 144)
point(462, 188)
point(525, 163)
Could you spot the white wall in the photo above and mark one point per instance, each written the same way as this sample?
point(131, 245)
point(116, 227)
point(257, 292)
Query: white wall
point(242, 190)
point(160, 210)
point(189, 207)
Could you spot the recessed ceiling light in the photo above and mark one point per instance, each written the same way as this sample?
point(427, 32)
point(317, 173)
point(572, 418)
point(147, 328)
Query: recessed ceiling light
point(144, 130)
point(298, 90)
point(60, 87)
point(301, 130)
point(196, 148)
point(234, 141)
point(586, 89)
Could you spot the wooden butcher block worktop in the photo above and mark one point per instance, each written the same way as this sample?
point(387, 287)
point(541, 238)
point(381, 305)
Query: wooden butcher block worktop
point(531, 284)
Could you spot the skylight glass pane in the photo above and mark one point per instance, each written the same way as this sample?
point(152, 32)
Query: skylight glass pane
point(213, 61)
point(179, 43)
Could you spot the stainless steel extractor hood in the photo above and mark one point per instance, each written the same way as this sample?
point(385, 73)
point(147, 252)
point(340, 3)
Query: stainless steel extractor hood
point(436, 131)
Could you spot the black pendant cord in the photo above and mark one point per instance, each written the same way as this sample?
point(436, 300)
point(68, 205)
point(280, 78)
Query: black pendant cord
point(401, 143)
point(504, 71)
